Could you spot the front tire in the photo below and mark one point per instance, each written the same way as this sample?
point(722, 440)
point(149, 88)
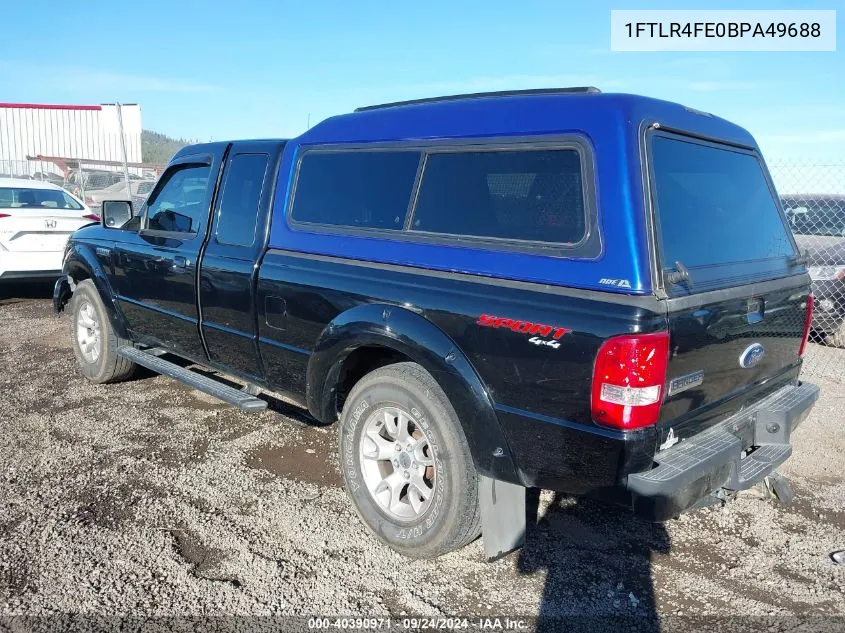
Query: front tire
point(406, 464)
point(95, 343)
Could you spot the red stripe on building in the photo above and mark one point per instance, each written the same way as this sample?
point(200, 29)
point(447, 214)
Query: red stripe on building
point(47, 106)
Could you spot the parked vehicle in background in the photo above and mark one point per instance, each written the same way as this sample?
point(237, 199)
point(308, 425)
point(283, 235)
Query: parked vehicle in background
point(137, 193)
point(482, 302)
point(818, 223)
point(142, 191)
point(36, 219)
point(49, 176)
point(85, 181)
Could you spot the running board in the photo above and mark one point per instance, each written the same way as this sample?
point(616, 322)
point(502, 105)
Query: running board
point(244, 401)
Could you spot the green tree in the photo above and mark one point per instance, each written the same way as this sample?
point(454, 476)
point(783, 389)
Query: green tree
point(159, 148)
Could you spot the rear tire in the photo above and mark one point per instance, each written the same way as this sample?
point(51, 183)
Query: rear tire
point(435, 508)
point(95, 343)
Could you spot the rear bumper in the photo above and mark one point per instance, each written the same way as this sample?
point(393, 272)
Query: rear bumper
point(735, 454)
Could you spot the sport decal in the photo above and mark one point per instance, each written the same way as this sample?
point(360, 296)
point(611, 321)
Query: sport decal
point(526, 327)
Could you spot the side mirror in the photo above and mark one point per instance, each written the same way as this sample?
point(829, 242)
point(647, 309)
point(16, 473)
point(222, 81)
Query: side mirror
point(115, 213)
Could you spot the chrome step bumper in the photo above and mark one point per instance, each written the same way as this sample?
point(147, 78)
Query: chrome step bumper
point(715, 458)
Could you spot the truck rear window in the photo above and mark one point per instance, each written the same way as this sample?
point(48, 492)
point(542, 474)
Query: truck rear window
point(715, 212)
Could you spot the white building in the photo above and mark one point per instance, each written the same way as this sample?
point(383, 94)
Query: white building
point(65, 131)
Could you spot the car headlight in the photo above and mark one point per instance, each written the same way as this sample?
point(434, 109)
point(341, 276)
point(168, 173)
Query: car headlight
point(826, 273)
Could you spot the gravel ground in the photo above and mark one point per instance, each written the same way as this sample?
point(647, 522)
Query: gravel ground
point(150, 499)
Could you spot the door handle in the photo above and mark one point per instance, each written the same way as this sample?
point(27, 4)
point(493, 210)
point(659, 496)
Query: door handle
point(180, 263)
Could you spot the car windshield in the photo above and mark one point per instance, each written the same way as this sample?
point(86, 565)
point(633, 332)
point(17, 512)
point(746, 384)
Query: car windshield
point(817, 216)
point(24, 198)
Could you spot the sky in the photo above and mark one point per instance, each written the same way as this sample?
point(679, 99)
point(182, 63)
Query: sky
point(217, 70)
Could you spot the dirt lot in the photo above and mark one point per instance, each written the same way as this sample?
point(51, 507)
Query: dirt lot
point(148, 499)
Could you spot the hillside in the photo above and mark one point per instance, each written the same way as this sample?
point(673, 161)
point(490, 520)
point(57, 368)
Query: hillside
point(158, 148)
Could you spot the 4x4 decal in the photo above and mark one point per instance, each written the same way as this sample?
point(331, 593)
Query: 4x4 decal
point(526, 327)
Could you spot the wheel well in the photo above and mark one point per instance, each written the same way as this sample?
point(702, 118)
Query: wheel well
point(78, 273)
point(360, 363)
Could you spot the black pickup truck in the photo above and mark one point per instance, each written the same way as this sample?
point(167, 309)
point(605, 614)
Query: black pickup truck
point(592, 293)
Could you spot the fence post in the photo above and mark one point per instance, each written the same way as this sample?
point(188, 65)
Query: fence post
point(123, 149)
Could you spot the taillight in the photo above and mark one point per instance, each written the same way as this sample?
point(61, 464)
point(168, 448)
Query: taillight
point(92, 217)
point(5, 215)
point(808, 321)
point(628, 380)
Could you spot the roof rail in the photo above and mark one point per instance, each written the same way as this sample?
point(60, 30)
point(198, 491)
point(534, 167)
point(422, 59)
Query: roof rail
point(481, 95)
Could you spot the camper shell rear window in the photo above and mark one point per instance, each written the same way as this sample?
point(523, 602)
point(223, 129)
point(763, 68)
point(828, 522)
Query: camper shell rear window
point(716, 214)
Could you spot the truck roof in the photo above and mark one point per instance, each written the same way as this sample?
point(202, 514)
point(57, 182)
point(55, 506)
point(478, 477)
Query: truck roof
point(218, 147)
point(520, 113)
point(516, 113)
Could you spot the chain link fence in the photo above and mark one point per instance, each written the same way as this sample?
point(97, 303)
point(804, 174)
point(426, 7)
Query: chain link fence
point(813, 197)
point(90, 179)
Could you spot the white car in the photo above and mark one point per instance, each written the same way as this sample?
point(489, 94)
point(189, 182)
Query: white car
point(36, 219)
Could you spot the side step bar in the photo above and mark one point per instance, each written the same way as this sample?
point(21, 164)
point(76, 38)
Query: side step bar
point(244, 401)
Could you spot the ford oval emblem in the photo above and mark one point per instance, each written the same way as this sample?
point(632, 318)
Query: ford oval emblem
point(752, 355)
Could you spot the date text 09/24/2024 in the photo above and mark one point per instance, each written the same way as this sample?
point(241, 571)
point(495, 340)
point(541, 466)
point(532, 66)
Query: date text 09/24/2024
point(420, 623)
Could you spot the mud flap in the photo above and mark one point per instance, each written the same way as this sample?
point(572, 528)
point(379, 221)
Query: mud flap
point(62, 292)
point(502, 517)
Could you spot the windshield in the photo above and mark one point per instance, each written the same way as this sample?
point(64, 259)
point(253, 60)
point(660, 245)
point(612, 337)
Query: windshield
point(716, 213)
point(816, 216)
point(22, 198)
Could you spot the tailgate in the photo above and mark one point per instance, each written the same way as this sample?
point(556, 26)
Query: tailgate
point(736, 292)
point(729, 351)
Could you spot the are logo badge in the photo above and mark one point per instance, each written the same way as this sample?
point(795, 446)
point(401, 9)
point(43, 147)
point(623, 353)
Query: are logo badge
point(751, 355)
point(49, 223)
point(619, 283)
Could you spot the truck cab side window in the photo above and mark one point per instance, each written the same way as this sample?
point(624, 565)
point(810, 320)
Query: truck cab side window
point(238, 213)
point(178, 206)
